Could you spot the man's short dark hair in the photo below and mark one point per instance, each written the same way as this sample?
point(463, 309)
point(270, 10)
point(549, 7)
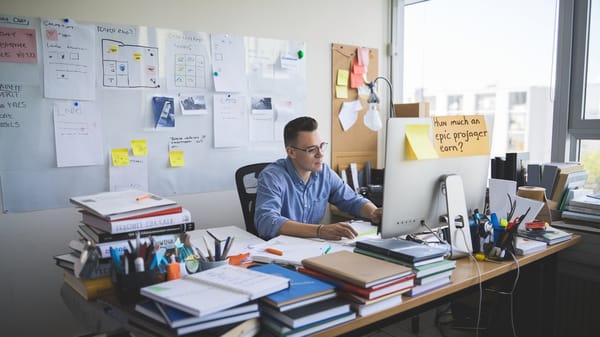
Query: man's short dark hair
point(293, 127)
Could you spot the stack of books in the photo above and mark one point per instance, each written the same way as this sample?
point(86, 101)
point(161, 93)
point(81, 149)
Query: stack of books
point(307, 306)
point(208, 299)
point(113, 222)
point(111, 219)
point(583, 207)
point(427, 263)
point(371, 285)
point(550, 235)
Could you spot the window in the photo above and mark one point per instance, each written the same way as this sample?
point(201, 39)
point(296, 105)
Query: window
point(494, 56)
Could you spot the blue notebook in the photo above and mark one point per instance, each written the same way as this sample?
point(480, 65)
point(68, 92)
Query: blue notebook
point(304, 289)
point(177, 318)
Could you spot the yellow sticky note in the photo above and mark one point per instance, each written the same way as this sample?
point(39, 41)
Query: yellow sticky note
point(137, 56)
point(342, 77)
point(176, 158)
point(341, 91)
point(139, 147)
point(418, 144)
point(120, 157)
point(113, 48)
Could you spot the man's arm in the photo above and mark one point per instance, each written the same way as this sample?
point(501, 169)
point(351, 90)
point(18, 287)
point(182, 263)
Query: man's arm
point(335, 231)
point(371, 212)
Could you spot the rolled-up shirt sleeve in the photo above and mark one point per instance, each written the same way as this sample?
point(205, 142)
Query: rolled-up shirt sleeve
point(269, 199)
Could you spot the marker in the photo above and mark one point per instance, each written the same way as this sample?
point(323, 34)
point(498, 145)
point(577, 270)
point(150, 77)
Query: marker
point(327, 250)
point(142, 197)
point(274, 251)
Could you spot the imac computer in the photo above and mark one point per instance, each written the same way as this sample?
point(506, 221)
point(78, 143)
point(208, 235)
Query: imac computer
point(426, 194)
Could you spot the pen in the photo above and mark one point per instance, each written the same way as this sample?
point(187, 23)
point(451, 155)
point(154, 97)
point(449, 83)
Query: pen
point(142, 197)
point(327, 250)
point(274, 251)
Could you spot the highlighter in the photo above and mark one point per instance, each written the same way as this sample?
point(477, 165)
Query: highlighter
point(173, 269)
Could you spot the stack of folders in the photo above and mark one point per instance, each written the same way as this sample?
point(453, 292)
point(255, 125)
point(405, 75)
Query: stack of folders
point(427, 263)
point(118, 219)
point(307, 306)
point(371, 285)
point(209, 299)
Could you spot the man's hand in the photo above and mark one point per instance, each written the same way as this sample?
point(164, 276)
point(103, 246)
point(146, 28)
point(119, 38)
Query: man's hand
point(337, 231)
point(375, 216)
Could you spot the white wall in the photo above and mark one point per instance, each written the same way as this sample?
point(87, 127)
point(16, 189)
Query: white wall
point(30, 284)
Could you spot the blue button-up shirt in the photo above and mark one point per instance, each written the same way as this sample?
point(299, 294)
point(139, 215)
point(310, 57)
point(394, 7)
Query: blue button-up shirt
point(282, 195)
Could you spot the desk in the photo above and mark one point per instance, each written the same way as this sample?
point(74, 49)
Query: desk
point(465, 275)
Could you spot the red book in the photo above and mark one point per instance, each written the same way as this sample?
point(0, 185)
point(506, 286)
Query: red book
point(379, 290)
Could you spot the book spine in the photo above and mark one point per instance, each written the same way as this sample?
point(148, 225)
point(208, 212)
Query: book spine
point(132, 225)
point(167, 241)
point(174, 229)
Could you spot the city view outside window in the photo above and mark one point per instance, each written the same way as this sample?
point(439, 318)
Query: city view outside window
point(486, 57)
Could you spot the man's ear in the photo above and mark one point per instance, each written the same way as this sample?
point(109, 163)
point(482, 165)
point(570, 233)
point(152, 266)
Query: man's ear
point(290, 152)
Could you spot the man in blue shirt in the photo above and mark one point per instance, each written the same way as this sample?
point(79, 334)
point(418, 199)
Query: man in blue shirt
point(293, 192)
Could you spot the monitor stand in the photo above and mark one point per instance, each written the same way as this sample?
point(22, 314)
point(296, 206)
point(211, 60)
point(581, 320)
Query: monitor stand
point(457, 219)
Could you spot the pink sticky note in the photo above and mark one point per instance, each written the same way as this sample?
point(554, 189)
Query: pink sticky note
point(18, 45)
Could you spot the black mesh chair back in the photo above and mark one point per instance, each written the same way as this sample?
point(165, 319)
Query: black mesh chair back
point(246, 180)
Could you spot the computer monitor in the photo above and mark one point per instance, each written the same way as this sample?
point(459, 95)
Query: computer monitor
point(412, 190)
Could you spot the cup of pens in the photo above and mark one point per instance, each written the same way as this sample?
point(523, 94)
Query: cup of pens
point(207, 264)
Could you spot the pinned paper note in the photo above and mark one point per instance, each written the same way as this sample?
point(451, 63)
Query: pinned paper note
point(120, 157)
point(176, 158)
point(457, 136)
point(349, 113)
point(341, 91)
point(342, 77)
point(139, 147)
point(418, 143)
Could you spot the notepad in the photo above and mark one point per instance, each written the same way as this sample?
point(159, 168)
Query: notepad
point(216, 289)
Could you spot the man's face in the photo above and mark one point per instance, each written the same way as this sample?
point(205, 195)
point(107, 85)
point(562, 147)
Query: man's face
point(306, 153)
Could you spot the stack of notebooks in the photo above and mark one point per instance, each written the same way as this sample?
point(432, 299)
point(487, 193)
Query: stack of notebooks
point(117, 219)
point(550, 235)
point(208, 299)
point(582, 207)
point(307, 306)
point(427, 263)
point(371, 285)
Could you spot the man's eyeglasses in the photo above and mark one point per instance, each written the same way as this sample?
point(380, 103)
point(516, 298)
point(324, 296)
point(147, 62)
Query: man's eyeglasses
point(312, 150)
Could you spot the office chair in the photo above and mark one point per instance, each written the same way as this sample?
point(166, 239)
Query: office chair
point(246, 179)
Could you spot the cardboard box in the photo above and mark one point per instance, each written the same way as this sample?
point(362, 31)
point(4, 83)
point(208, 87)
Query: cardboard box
point(412, 109)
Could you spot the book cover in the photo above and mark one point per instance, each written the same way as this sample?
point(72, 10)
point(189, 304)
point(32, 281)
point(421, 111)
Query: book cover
point(423, 288)
point(366, 309)
point(167, 241)
point(365, 293)
point(398, 261)
point(549, 176)
point(580, 216)
point(98, 235)
point(404, 250)
point(569, 180)
point(107, 204)
point(302, 287)
point(89, 289)
point(433, 277)
point(435, 267)
point(586, 202)
point(524, 246)
point(310, 313)
point(216, 323)
point(150, 309)
point(216, 289)
point(278, 328)
point(534, 175)
point(137, 224)
point(551, 235)
point(360, 270)
point(176, 318)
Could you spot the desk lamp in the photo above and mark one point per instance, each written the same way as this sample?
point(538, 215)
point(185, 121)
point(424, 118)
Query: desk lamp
point(373, 99)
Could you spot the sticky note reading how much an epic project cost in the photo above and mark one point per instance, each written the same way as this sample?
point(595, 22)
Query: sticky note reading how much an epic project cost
point(463, 135)
point(120, 157)
point(418, 142)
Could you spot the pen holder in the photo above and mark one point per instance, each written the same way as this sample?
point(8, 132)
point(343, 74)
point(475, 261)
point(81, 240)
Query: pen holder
point(128, 286)
point(205, 265)
point(506, 243)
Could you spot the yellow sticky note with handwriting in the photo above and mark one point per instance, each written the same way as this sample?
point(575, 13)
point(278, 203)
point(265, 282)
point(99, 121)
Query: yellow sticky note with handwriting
point(176, 158)
point(139, 147)
point(418, 144)
point(342, 77)
point(120, 157)
point(341, 91)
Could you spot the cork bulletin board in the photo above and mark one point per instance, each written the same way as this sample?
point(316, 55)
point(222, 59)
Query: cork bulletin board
point(358, 144)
